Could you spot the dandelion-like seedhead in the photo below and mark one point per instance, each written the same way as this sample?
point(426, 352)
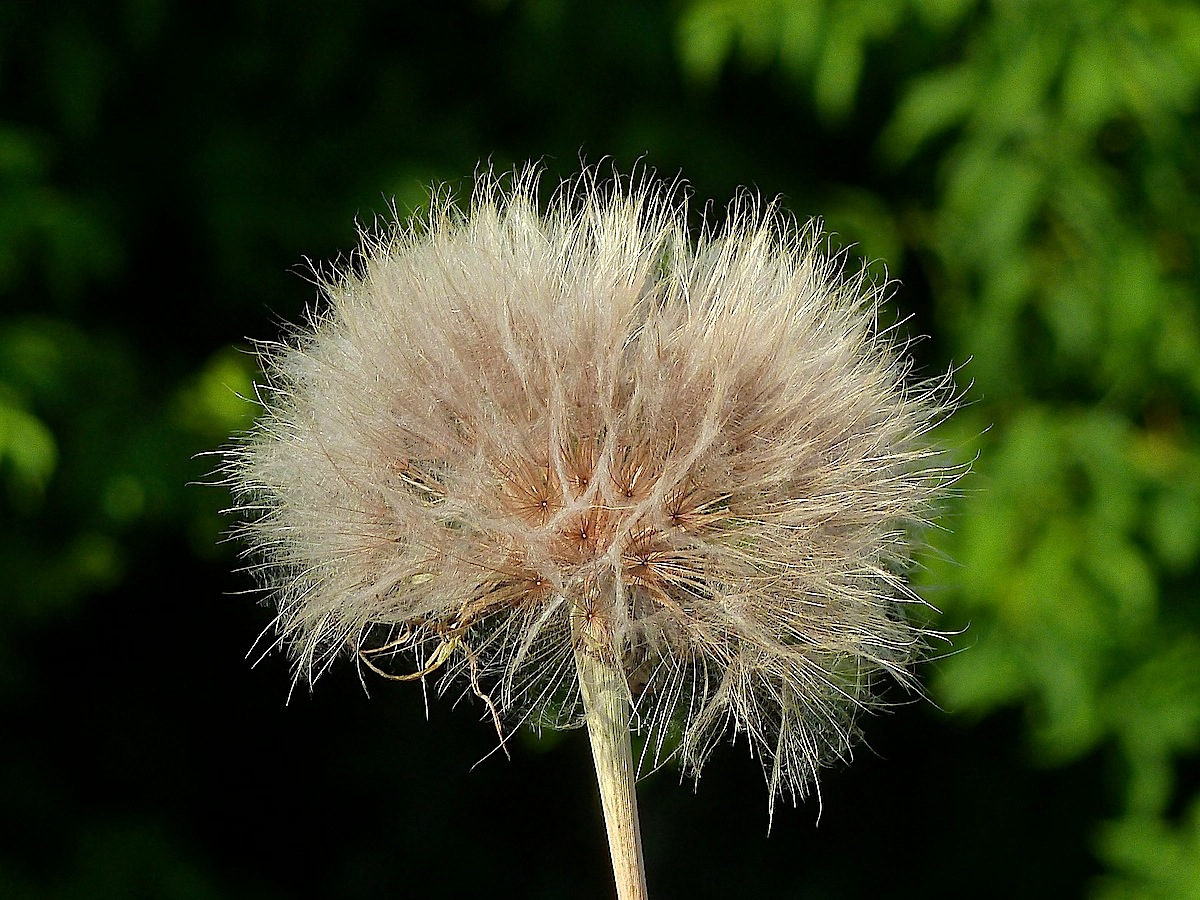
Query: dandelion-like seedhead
point(511, 435)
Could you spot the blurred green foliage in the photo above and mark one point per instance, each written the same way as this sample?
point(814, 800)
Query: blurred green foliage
point(1029, 170)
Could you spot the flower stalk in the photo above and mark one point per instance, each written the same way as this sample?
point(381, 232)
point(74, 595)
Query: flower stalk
point(606, 713)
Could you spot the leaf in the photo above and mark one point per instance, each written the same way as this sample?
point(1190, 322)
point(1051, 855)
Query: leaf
point(930, 105)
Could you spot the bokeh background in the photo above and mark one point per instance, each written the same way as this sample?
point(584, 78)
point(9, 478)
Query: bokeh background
point(1030, 172)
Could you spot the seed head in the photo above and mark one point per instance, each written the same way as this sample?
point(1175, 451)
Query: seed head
point(508, 434)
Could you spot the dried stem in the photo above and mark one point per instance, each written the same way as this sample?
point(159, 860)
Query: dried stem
point(606, 710)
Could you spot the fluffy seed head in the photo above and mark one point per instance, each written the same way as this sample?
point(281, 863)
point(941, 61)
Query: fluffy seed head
point(706, 455)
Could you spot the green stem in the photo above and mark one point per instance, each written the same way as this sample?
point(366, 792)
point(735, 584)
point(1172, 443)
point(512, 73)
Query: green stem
point(606, 711)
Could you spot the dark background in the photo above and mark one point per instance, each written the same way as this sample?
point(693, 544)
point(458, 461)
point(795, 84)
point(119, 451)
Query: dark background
point(1029, 171)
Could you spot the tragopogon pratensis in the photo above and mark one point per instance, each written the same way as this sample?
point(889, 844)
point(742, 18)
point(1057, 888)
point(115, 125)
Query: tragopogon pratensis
point(595, 471)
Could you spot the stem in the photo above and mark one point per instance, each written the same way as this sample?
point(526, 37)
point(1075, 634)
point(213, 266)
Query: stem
point(606, 711)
